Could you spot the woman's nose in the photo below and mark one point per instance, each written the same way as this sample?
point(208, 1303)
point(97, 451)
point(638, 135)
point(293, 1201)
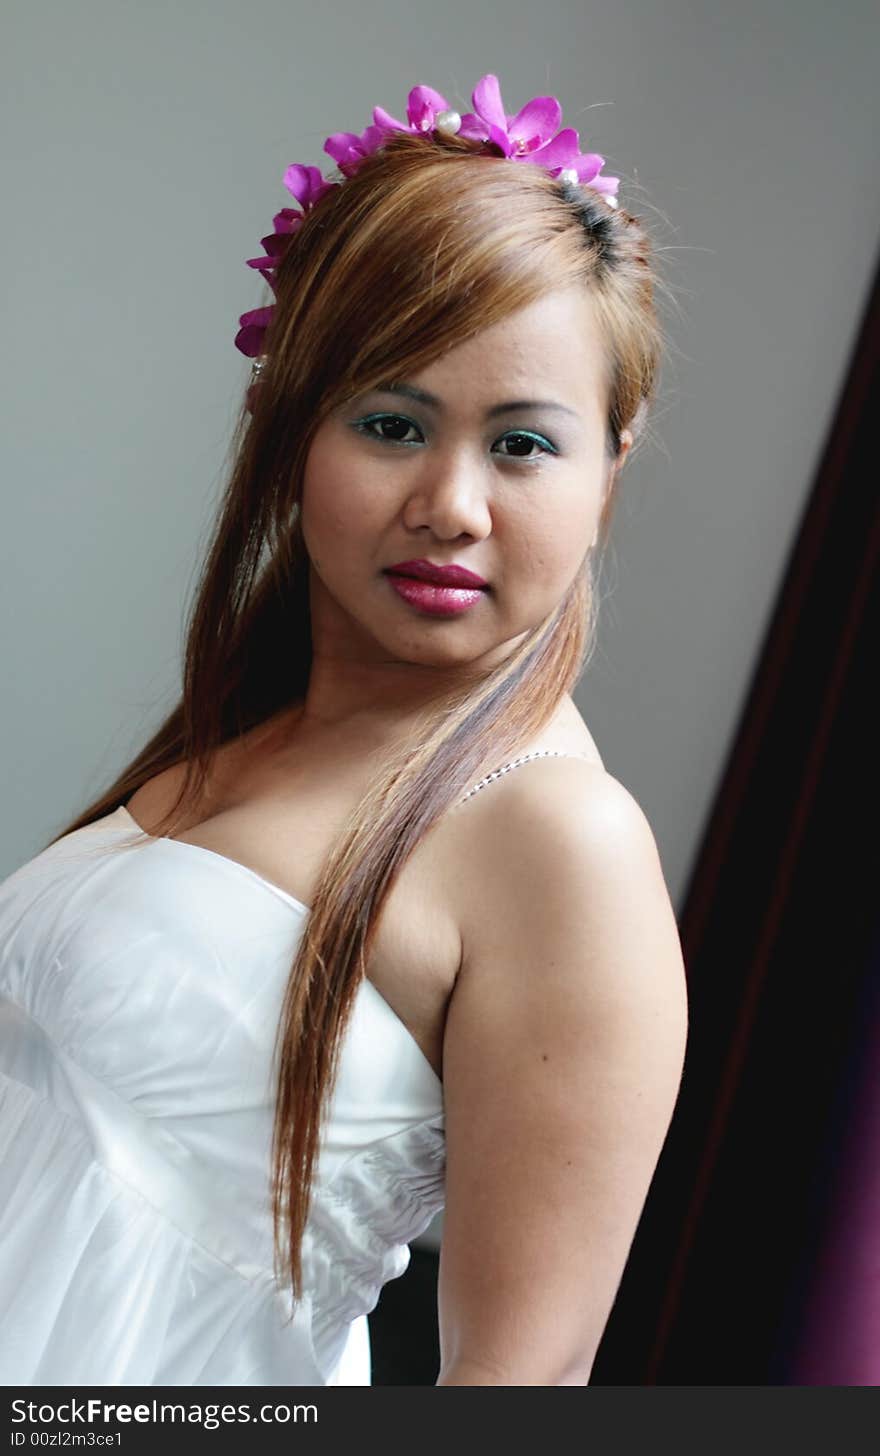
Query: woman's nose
point(451, 495)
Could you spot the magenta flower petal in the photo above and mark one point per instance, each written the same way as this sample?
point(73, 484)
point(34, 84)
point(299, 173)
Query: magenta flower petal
point(305, 183)
point(561, 151)
point(276, 244)
point(250, 341)
point(296, 180)
point(318, 185)
point(343, 146)
point(587, 165)
point(539, 118)
point(257, 317)
point(486, 101)
point(473, 126)
point(369, 141)
point(249, 338)
point(287, 220)
point(386, 122)
point(499, 136)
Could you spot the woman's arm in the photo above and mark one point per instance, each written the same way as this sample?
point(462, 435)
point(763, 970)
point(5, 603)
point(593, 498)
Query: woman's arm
point(563, 1054)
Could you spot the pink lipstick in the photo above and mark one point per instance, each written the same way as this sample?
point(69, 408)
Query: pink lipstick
point(443, 591)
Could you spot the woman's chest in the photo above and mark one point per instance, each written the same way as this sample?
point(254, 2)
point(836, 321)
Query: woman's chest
point(284, 833)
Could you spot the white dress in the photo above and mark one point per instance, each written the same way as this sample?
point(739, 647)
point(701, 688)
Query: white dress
point(140, 995)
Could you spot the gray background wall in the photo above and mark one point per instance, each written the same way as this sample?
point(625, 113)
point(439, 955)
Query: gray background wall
point(143, 149)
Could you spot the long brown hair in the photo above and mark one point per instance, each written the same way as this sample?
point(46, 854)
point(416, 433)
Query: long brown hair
point(430, 241)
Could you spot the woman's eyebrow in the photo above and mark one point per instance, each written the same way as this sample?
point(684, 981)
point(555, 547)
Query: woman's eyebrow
point(421, 396)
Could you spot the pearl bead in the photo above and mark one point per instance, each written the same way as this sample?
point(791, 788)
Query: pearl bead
point(568, 174)
point(448, 122)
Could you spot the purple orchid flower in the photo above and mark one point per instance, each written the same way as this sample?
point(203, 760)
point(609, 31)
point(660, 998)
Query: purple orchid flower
point(422, 106)
point(306, 184)
point(285, 222)
point(529, 135)
point(254, 323)
point(348, 149)
point(519, 135)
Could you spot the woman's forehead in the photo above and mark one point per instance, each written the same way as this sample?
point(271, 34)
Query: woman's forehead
point(549, 349)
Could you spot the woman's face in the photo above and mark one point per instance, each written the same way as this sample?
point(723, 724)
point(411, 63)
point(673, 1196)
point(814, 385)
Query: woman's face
point(502, 472)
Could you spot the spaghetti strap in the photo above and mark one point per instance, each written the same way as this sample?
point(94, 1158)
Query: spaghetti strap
point(515, 762)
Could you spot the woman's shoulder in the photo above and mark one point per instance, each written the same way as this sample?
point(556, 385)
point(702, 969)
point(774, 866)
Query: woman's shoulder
point(553, 825)
point(563, 869)
point(533, 814)
point(548, 809)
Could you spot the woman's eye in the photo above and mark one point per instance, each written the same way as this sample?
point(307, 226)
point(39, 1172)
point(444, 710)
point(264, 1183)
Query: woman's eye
point(522, 440)
point(527, 439)
point(381, 420)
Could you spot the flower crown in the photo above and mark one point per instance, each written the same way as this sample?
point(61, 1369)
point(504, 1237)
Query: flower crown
point(529, 136)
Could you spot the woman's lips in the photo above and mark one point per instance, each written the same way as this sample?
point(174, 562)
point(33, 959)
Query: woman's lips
point(429, 596)
point(450, 574)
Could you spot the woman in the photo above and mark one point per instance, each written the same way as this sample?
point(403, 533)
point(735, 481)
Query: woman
point(291, 984)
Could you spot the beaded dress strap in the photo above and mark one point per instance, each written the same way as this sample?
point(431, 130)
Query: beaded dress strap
point(515, 762)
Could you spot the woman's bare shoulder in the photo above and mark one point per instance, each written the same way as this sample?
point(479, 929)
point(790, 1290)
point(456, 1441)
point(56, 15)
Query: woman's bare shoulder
point(552, 778)
point(533, 821)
